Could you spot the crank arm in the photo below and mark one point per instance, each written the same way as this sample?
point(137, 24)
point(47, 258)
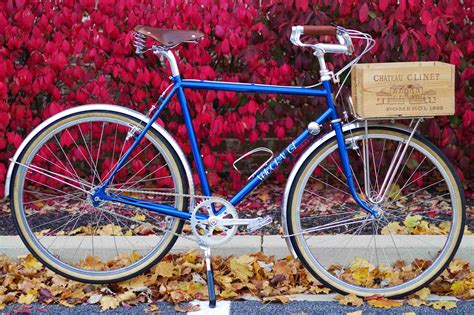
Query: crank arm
point(252, 224)
point(227, 222)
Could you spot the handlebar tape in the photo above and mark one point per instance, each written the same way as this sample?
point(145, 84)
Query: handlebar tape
point(319, 30)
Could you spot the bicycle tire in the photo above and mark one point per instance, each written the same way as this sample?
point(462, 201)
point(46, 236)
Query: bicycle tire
point(54, 263)
point(324, 276)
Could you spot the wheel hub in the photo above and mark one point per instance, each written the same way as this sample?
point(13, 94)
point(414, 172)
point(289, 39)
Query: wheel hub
point(379, 212)
point(94, 200)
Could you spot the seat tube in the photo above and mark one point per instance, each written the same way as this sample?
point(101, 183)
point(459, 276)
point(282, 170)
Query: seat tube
point(192, 139)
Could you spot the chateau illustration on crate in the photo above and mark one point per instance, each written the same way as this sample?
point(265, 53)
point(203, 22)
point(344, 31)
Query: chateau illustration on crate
point(408, 89)
point(406, 94)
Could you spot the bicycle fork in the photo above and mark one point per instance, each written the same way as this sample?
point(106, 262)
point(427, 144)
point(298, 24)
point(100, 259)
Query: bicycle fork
point(341, 143)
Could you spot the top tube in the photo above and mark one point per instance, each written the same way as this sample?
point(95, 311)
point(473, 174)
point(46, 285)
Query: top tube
point(252, 88)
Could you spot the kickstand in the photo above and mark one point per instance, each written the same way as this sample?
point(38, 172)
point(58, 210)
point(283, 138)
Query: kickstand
point(210, 276)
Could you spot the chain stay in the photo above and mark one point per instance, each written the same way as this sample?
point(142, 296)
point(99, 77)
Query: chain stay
point(153, 226)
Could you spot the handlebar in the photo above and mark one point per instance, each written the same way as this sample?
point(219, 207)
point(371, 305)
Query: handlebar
point(345, 42)
point(319, 30)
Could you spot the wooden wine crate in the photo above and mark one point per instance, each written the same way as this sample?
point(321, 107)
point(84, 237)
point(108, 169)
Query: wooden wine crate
point(403, 89)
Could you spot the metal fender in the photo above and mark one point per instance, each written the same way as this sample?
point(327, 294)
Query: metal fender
point(110, 108)
point(327, 137)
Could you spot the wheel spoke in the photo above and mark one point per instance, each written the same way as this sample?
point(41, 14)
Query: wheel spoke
point(339, 240)
point(67, 162)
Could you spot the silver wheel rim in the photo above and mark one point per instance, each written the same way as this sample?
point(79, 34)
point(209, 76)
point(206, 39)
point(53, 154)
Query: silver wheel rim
point(156, 248)
point(320, 269)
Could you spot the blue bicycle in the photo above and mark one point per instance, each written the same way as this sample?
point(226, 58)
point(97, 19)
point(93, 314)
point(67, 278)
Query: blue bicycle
point(100, 193)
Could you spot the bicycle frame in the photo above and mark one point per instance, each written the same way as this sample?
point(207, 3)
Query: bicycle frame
point(178, 89)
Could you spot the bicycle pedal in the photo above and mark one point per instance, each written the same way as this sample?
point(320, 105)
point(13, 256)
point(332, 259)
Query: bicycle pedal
point(258, 223)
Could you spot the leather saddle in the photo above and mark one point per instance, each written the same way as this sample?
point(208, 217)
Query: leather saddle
point(169, 38)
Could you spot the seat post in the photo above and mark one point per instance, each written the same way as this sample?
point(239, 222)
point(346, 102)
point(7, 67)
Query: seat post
point(168, 54)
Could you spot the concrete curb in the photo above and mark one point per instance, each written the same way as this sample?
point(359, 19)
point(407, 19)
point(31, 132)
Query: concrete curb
point(275, 245)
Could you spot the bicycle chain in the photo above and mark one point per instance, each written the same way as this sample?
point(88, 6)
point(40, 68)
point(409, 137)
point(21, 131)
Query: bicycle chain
point(162, 194)
point(165, 194)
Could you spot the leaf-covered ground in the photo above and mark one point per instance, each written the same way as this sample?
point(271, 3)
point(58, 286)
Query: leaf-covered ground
point(181, 278)
point(266, 201)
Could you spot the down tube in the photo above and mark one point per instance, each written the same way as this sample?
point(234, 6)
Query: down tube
point(273, 164)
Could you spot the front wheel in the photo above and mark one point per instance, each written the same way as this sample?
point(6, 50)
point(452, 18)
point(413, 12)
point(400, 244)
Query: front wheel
point(415, 237)
point(53, 181)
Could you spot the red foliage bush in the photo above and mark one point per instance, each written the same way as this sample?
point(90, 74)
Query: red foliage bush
point(56, 55)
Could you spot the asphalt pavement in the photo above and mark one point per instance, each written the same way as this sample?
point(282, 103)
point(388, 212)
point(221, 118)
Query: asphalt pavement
point(241, 307)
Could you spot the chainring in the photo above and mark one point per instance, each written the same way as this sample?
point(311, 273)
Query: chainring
point(207, 231)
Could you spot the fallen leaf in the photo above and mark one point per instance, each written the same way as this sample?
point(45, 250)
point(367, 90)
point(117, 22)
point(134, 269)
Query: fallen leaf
point(394, 228)
point(135, 256)
point(412, 221)
point(319, 290)
point(139, 217)
point(282, 267)
point(109, 302)
point(360, 262)
point(164, 269)
point(443, 305)
point(186, 308)
point(277, 298)
point(416, 302)
point(394, 192)
point(59, 281)
point(277, 279)
point(440, 286)
point(241, 267)
point(26, 285)
point(197, 278)
point(265, 197)
point(456, 265)
point(126, 296)
point(95, 298)
point(30, 262)
point(422, 294)
point(228, 294)
point(178, 296)
point(384, 303)
point(110, 229)
point(44, 295)
point(66, 303)
point(350, 299)
point(26, 298)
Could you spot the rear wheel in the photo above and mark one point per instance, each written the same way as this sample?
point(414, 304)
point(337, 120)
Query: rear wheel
point(414, 239)
point(53, 181)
